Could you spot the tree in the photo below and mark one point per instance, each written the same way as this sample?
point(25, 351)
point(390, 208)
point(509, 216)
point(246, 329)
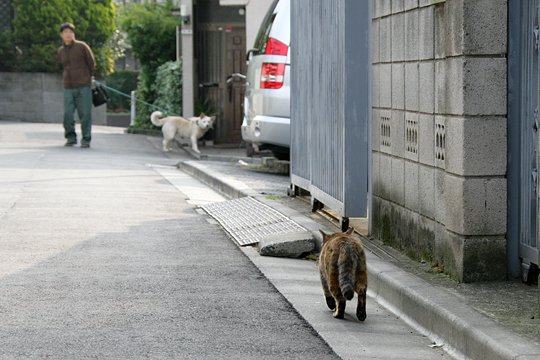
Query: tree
point(32, 44)
point(151, 30)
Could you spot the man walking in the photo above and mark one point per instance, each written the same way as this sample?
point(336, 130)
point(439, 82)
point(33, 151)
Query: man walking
point(79, 64)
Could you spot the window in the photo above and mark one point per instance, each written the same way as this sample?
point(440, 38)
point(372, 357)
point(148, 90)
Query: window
point(264, 31)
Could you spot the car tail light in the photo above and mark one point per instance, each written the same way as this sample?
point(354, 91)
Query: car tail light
point(272, 75)
point(275, 47)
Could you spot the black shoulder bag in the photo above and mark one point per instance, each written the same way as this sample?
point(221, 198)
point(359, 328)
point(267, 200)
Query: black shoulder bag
point(99, 95)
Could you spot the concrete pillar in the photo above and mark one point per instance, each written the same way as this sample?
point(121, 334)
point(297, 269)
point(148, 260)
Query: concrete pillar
point(188, 73)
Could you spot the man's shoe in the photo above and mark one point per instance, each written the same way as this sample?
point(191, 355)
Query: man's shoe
point(70, 143)
point(85, 145)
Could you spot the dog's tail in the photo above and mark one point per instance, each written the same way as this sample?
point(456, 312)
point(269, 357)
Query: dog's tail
point(155, 118)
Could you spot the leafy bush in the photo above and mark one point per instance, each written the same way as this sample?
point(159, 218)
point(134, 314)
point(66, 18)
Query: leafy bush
point(168, 87)
point(124, 81)
point(144, 93)
point(32, 44)
point(168, 93)
point(151, 30)
point(7, 51)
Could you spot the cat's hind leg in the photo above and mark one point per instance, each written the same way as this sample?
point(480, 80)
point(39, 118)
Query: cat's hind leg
point(361, 308)
point(330, 301)
point(361, 289)
point(335, 290)
point(340, 311)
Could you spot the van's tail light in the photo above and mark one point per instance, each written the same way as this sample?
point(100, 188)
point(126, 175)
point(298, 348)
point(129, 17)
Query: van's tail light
point(275, 47)
point(272, 75)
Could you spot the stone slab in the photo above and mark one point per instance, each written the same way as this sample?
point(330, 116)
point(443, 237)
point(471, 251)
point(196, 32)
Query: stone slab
point(292, 245)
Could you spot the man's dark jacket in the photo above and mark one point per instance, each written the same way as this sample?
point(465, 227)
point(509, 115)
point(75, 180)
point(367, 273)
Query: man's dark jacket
point(79, 64)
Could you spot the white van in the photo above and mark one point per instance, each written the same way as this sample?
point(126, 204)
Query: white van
point(266, 121)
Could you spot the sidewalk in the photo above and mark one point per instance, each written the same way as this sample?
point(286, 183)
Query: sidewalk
point(477, 321)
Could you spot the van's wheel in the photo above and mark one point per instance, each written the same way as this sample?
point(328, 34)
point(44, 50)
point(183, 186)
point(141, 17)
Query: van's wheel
point(280, 152)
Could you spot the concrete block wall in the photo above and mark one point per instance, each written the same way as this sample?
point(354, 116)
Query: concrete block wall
point(37, 97)
point(439, 132)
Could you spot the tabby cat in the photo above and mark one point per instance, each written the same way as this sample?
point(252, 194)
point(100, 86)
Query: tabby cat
point(342, 265)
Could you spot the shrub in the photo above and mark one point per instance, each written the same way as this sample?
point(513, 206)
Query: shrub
point(31, 45)
point(168, 87)
point(168, 93)
point(145, 93)
point(151, 30)
point(7, 51)
point(123, 81)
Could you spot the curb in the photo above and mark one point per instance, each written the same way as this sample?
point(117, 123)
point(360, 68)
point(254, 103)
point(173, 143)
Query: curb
point(432, 311)
point(233, 189)
point(441, 315)
point(222, 158)
point(227, 186)
point(147, 132)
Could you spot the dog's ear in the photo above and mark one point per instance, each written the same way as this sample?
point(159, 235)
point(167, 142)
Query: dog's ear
point(202, 115)
point(349, 231)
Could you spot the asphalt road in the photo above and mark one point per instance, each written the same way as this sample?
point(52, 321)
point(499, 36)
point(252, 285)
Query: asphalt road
point(101, 257)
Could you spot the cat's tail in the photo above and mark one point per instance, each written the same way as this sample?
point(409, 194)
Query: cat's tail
point(346, 271)
point(155, 118)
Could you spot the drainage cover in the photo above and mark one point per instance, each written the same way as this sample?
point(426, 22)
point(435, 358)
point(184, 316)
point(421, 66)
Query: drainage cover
point(248, 220)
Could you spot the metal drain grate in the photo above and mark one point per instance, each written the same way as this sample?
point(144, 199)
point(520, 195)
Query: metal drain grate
point(248, 220)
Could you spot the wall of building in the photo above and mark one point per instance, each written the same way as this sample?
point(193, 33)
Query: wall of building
point(37, 97)
point(439, 132)
point(255, 12)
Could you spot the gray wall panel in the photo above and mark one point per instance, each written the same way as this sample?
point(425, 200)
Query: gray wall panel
point(330, 103)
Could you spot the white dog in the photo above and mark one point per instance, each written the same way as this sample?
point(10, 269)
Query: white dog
point(182, 129)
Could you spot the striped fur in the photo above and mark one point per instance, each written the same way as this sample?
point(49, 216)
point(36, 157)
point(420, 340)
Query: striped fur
point(342, 266)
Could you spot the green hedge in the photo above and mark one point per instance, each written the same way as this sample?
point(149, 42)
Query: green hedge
point(168, 87)
point(124, 81)
point(151, 30)
point(168, 93)
point(32, 43)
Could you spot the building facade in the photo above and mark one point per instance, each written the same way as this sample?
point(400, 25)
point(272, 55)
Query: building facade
point(453, 131)
point(439, 139)
point(215, 35)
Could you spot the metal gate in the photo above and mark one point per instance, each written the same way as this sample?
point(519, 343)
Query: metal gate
point(523, 135)
point(330, 103)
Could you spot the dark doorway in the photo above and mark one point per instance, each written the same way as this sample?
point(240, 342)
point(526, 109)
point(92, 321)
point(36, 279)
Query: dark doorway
point(220, 47)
